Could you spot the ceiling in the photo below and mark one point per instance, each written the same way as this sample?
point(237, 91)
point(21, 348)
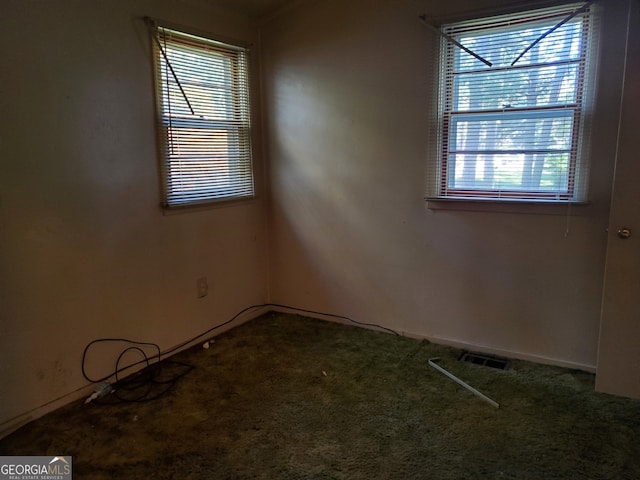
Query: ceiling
point(256, 8)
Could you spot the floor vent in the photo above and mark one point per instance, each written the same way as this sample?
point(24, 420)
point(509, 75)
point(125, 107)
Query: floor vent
point(485, 360)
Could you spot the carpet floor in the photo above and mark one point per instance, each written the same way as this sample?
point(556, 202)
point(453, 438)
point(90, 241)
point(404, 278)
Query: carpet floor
point(288, 397)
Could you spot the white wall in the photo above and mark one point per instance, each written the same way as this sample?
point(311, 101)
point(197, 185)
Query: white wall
point(86, 251)
point(347, 102)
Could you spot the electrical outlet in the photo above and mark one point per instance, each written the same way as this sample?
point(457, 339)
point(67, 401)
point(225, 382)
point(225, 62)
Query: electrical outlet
point(203, 287)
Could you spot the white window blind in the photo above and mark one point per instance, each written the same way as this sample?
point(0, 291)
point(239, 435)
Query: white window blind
point(513, 120)
point(204, 119)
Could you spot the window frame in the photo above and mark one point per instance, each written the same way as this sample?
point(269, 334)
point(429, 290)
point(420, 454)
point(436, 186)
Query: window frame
point(174, 193)
point(447, 117)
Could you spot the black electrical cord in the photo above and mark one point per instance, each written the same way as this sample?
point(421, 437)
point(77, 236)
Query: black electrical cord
point(118, 369)
point(341, 317)
point(276, 305)
point(148, 385)
point(144, 384)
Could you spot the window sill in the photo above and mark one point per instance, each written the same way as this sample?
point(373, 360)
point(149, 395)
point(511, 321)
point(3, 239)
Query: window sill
point(508, 206)
point(203, 206)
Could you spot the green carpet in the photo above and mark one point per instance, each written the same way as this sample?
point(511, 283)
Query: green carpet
point(287, 397)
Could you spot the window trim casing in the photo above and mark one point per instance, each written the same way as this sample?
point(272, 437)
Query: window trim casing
point(440, 195)
point(198, 39)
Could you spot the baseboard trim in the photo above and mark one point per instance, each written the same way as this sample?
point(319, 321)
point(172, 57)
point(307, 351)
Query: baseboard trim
point(502, 352)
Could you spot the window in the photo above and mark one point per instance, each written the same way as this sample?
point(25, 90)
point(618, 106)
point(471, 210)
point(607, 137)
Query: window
point(513, 100)
point(203, 119)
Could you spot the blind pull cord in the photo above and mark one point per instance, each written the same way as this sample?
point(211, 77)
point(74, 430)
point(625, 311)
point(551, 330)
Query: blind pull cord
point(553, 29)
point(166, 75)
point(166, 59)
point(154, 34)
point(423, 20)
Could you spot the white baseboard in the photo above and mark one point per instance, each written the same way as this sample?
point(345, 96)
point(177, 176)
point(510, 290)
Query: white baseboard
point(502, 352)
